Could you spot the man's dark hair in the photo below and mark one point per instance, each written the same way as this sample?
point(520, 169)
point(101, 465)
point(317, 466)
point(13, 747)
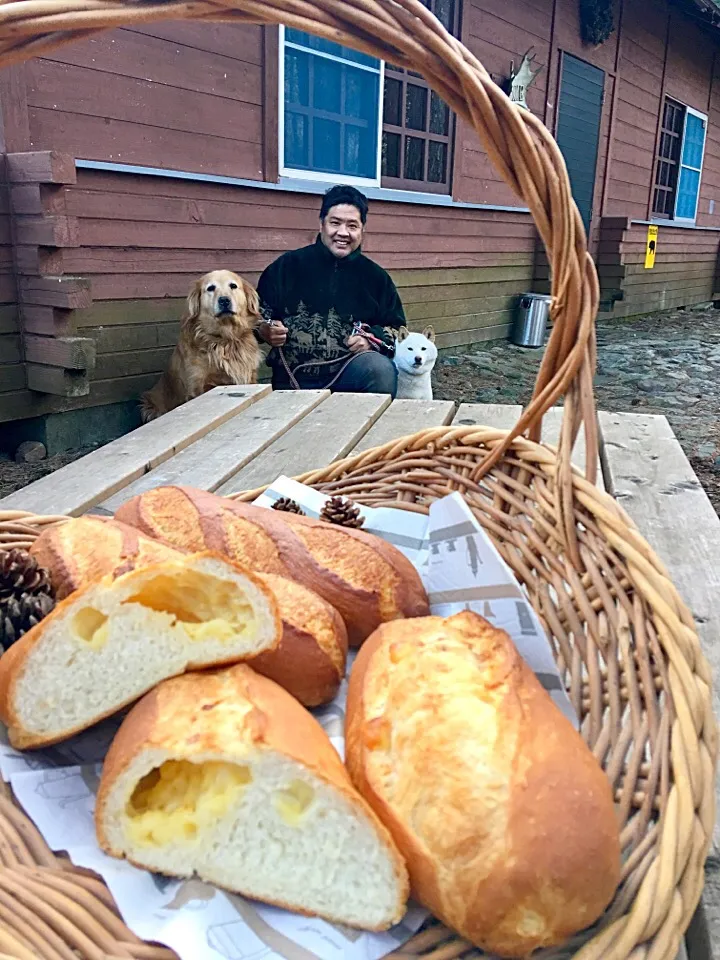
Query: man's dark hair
point(344, 194)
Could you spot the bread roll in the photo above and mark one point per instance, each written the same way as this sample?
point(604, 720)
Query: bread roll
point(367, 581)
point(310, 659)
point(309, 662)
point(87, 548)
point(224, 775)
point(107, 644)
point(502, 813)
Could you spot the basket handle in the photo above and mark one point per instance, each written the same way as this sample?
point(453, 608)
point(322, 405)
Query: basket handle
point(404, 32)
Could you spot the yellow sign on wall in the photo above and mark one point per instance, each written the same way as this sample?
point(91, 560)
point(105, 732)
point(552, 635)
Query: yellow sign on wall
point(651, 248)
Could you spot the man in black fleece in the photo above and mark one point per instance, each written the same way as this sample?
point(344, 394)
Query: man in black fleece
point(328, 302)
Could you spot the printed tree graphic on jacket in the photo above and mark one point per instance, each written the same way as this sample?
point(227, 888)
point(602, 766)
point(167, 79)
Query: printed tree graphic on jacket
point(316, 337)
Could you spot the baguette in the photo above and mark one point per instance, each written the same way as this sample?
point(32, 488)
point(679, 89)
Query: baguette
point(504, 817)
point(310, 659)
point(225, 776)
point(105, 645)
point(368, 581)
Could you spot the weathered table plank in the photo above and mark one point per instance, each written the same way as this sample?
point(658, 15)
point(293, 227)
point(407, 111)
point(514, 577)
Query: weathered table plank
point(75, 488)
point(504, 416)
point(218, 456)
point(403, 417)
point(552, 421)
point(327, 433)
point(648, 473)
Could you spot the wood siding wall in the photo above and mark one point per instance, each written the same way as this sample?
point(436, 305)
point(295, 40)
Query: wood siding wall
point(142, 241)
point(685, 270)
point(104, 263)
point(12, 371)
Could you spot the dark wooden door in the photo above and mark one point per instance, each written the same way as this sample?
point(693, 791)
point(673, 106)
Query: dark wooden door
point(578, 128)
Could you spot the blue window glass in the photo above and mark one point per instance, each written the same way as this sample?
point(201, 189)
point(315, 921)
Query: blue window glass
point(332, 97)
point(688, 186)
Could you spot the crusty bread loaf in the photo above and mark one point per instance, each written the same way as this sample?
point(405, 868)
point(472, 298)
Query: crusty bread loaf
point(367, 580)
point(108, 643)
point(87, 548)
point(309, 662)
point(310, 659)
point(224, 775)
point(504, 817)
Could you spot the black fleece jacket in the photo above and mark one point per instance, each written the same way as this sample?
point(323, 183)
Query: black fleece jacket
point(319, 298)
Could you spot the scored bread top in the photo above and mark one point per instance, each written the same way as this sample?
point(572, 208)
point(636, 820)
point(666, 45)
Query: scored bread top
point(83, 549)
point(504, 816)
point(221, 713)
point(366, 579)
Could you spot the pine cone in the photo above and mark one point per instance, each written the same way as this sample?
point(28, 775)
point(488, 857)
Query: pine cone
point(342, 512)
point(20, 573)
point(26, 595)
point(286, 505)
point(19, 614)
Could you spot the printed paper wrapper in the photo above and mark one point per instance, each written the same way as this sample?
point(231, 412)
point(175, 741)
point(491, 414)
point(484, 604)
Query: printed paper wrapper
point(57, 786)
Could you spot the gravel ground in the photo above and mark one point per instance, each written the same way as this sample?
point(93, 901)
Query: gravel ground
point(666, 363)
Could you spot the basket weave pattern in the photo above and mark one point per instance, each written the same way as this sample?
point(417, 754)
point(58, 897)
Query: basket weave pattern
point(625, 643)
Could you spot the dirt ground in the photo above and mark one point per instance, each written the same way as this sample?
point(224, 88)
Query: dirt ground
point(667, 363)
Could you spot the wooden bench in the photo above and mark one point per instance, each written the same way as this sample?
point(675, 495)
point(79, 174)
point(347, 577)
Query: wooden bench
point(237, 438)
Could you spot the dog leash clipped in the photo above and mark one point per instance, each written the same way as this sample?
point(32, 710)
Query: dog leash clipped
point(357, 331)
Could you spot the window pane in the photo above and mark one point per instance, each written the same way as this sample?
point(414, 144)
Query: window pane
point(687, 193)
point(326, 145)
point(297, 82)
point(361, 94)
point(327, 84)
point(327, 46)
point(694, 141)
point(416, 107)
point(437, 161)
point(391, 155)
point(392, 109)
point(439, 115)
point(414, 158)
point(445, 12)
point(297, 142)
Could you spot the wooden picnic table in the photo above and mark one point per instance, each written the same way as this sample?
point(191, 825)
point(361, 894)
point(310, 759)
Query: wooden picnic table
point(239, 438)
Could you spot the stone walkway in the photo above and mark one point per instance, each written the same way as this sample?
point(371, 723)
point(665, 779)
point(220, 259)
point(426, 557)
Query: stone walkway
point(666, 363)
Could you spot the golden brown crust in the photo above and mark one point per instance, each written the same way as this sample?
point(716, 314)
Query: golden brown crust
point(504, 816)
point(13, 663)
point(86, 548)
point(367, 580)
point(309, 662)
point(200, 714)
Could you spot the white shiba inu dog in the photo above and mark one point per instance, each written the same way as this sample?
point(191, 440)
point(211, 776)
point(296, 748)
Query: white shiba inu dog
point(415, 356)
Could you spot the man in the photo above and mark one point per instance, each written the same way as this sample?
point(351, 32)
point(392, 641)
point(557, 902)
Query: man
point(327, 308)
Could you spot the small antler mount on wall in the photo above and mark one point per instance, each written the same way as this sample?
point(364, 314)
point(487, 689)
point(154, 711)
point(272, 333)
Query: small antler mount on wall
point(521, 79)
point(597, 21)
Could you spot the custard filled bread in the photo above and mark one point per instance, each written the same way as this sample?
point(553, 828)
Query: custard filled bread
point(107, 644)
point(504, 817)
point(367, 580)
point(310, 659)
point(224, 775)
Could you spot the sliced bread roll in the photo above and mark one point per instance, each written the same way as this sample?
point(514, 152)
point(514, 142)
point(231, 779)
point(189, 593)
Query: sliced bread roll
point(107, 644)
point(86, 548)
point(224, 775)
point(309, 662)
point(310, 659)
point(504, 816)
point(367, 580)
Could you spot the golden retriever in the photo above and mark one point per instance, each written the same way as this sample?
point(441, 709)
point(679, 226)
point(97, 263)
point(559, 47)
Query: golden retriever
point(216, 347)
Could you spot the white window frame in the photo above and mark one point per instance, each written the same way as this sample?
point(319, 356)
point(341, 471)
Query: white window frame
point(313, 175)
point(699, 170)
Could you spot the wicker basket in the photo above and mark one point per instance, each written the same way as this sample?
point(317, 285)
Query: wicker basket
point(624, 641)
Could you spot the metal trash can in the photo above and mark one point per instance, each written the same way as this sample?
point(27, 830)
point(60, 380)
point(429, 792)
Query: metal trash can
point(531, 319)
